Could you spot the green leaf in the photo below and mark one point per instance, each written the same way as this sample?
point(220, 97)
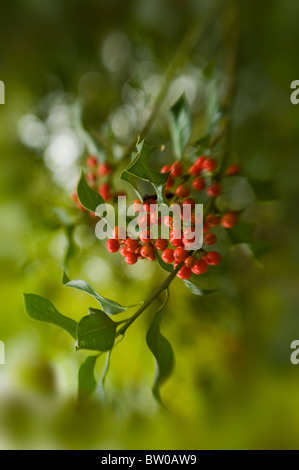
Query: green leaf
point(237, 193)
point(86, 380)
point(162, 351)
point(109, 306)
point(140, 168)
point(202, 144)
point(242, 232)
point(87, 196)
point(195, 289)
point(96, 332)
point(180, 126)
point(41, 309)
point(71, 247)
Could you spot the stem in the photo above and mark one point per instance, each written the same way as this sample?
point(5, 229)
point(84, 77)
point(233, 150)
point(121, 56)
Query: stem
point(150, 299)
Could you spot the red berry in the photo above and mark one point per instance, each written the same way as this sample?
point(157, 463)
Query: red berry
point(147, 251)
point(190, 201)
point(155, 219)
point(199, 162)
point(91, 161)
point(212, 220)
point(165, 169)
point(229, 219)
point(210, 164)
point(147, 204)
point(199, 184)
point(209, 238)
point(112, 245)
point(206, 227)
point(161, 244)
point(131, 245)
point(212, 258)
point(123, 251)
point(168, 221)
point(189, 235)
point(214, 190)
point(233, 170)
point(145, 236)
point(131, 258)
point(182, 191)
point(190, 262)
point(177, 169)
point(144, 221)
point(200, 267)
point(91, 178)
point(175, 239)
point(180, 254)
point(194, 170)
point(104, 169)
point(170, 182)
point(137, 206)
point(105, 191)
point(184, 272)
point(167, 256)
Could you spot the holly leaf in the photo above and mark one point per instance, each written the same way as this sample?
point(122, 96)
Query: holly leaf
point(195, 289)
point(41, 309)
point(86, 379)
point(140, 168)
point(87, 196)
point(96, 331)
point(180, 126)
point(109, 306)
point(162, 351)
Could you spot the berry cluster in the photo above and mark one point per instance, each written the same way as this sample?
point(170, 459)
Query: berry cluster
point(177, 249)
point(99, 177)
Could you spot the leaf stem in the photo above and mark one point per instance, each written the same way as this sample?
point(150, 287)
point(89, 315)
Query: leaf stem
point(150, 299)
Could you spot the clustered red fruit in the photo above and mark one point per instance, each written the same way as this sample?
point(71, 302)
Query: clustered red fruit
point(181, 188)
point(99, 177)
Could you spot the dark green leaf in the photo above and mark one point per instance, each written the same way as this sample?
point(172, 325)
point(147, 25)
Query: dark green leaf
point(180, 125)
point(71, 247)
point(96, 332)
point(161, 350)
point(86, 380)
point(203, 143)
point(195, 289)
point(41, 309)
point(265, 190)
point(109, 306)
point(140, 168)
point(243, 232)
point(87, 196)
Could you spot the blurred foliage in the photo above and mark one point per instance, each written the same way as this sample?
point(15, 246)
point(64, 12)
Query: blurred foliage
point(233, 386)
